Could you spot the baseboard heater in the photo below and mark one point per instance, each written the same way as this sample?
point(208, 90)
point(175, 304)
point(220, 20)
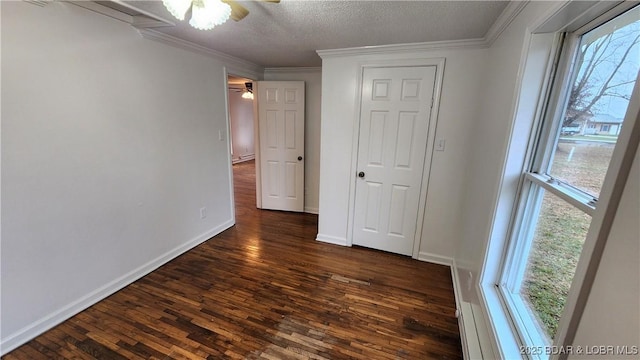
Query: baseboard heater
point(469, 333)
point(243, 158)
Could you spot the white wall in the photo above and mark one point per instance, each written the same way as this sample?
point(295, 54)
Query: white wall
point(241, 119)
point(495, 138)
point(461, 90)
point(312, 78)
point(612, 314)
point(109, 150)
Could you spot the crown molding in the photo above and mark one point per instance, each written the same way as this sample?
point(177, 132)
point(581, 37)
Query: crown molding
point(403, 48)
point(504, 20)
point(288, 70)
point(142, 19)
point(234, 65)
point(40, 3)
point(145, 22)
point(103, 10)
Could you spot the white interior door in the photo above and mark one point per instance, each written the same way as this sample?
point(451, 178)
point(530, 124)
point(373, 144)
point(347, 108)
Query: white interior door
point(394, 124)
point(281, 138)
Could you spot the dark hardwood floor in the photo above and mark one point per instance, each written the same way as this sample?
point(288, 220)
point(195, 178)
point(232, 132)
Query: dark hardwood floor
point(265, 289)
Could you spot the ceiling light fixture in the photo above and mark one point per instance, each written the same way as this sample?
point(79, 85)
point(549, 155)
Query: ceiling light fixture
point(205, 14)
point(248, 91)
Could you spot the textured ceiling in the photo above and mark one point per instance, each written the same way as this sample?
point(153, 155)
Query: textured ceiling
point(289, 33)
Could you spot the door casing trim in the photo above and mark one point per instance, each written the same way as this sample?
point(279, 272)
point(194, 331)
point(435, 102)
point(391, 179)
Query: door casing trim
point(439, 63)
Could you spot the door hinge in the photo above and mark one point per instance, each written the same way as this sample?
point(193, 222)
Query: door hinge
point(431, 107)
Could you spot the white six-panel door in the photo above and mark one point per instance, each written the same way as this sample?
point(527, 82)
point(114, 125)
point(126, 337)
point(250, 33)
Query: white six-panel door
point(394, 124)
point(281, 137)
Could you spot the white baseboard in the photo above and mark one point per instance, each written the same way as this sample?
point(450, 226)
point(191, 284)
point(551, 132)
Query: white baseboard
point(436, 259)
point(243, 158)
point(311, 210)
point(332, 239)
point(36, 328)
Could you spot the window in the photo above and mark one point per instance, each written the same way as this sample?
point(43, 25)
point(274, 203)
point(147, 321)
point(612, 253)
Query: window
point(561, 186)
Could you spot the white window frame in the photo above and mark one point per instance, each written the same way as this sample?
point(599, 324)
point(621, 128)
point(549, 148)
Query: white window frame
point(532, 186)
point(503, 327)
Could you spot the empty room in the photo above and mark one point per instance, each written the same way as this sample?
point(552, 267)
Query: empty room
point(319, 179)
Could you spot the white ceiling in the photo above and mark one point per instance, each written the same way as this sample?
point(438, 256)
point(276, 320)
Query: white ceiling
point(289, 33)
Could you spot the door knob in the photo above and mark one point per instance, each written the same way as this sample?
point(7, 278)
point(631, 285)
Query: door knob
point(299, 158)
point(361, 174)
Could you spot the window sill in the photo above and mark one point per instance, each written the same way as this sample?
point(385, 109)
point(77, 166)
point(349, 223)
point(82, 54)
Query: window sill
point(499, 325)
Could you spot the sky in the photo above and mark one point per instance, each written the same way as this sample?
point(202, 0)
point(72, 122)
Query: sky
point(625, 29)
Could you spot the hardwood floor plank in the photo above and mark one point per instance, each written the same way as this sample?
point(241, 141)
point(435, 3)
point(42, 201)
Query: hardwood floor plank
point(265, 289)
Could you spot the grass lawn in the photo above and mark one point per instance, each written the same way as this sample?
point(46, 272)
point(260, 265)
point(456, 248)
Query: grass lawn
point(561, 231)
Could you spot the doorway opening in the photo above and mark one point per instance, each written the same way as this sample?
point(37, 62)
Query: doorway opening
point(271, 136)
point(241, 119)
point(242, 139)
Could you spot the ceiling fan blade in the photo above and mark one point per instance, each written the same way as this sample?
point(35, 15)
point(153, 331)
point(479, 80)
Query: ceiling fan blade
point(271, 1)
point(238, 12)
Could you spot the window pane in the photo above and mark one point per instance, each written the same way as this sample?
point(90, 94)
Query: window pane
point(557, 243)
point(607, 67)
point(582, 164)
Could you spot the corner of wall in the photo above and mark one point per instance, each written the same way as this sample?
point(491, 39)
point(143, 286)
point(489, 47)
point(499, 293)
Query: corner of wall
point(435, 258)
point(332, 239)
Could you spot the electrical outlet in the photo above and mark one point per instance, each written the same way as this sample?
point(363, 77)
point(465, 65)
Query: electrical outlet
point(203, 213)
point(440, 144)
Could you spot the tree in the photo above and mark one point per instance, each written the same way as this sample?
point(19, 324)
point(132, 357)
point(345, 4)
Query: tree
point(606, 67)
